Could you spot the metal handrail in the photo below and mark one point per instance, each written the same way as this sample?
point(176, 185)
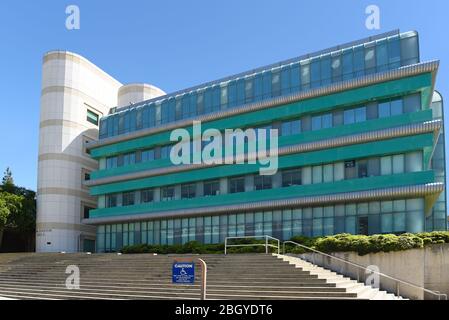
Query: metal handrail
point(266, 244)
point(398, 281)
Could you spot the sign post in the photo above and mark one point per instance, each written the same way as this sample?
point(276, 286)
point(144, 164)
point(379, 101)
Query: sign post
point(183, 272)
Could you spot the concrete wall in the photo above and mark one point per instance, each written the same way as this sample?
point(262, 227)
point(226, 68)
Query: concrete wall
point(428, 268)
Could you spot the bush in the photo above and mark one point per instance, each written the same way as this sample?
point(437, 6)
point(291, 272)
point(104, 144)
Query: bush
point(343, 242)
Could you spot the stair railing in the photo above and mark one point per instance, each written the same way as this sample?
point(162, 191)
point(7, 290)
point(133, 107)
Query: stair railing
point(360, 267)
point(266, 244)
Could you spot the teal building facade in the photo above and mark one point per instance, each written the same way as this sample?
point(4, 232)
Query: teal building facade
point(361, 151)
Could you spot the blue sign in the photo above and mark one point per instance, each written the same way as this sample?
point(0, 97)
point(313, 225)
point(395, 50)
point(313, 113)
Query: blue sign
point(183, 272)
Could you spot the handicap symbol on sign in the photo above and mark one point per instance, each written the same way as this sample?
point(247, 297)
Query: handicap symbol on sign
point(183, 272)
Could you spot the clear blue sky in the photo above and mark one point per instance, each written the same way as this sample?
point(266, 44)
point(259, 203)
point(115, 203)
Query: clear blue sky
point(177, 44)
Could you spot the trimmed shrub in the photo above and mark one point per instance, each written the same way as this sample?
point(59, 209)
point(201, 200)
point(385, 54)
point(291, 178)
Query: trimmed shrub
point(343, 242)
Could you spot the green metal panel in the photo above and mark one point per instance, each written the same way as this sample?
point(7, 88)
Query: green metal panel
point(274, 194)
point(377, 148)
point(313, 105)
point(308, 136)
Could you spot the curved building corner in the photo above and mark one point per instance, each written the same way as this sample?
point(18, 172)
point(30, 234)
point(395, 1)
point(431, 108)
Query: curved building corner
point(75, 95)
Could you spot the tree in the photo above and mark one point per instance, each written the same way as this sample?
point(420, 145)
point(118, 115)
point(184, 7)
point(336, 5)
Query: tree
point(8, 181)
point(17, 210)
point(10, 204)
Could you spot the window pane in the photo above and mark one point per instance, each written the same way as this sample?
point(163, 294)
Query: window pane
point(349, 116)
point(385, 166)
point(316, 123)
point(328, 173)
point(398, 163)
point(360, 114)
point(396, 107)
point(326, 121)
point(384, 109)
point(317, 174)
point(413, 162)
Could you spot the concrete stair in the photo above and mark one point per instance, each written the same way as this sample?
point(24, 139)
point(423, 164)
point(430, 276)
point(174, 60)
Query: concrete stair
point(147, 276)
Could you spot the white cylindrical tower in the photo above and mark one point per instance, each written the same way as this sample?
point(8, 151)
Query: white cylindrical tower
point(137, 92)
point(75, 94)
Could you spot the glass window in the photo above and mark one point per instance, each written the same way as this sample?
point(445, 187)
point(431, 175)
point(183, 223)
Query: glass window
point(224, 97)
point(305, 75)
point(370, 59)
point(373, 167)
point(316, 123)
point(128, 198)
point(359, 61)
point(291, 178)
point(306, 175)
point(237, 185)
point(211, 188)
point(111, 162)
point(146, 196)
point(92, 117)
point(285, 80)
point(349, 116)
point(398, 163)
point(258, 87)
point(396, 107)
point(413, 162)
point(350, 170)
point(200, 103)
point(362, 166)
point(147, 155)
point(111, 200)
point(240, 91)
point(266, 82)
point(317, 174)
point(360, 114)
point(167, 193)
point(249, 90)
point(399, 222)
point(325, 70)
point(347, 64)
point(315, 73)
point(165, 152)
point(336, 68)
point(394, 52)
point(129, 158)
point(188, 191)
point(412, 103)
point(290, 127)
point(384, 109)
point(328, 173)
point(326, 121)
point(262, 182)
point(409, 50)
point(382, 55)
point(337, 118)
point(275, 83)
point(339, 171)
point(385, 166)
point(295, 78)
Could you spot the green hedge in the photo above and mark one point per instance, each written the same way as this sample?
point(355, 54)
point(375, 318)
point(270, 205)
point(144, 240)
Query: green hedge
point(338, 243)
point(196, 247)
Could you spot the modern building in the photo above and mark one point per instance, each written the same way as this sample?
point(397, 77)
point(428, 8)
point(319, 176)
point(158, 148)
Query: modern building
point(361, 150)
